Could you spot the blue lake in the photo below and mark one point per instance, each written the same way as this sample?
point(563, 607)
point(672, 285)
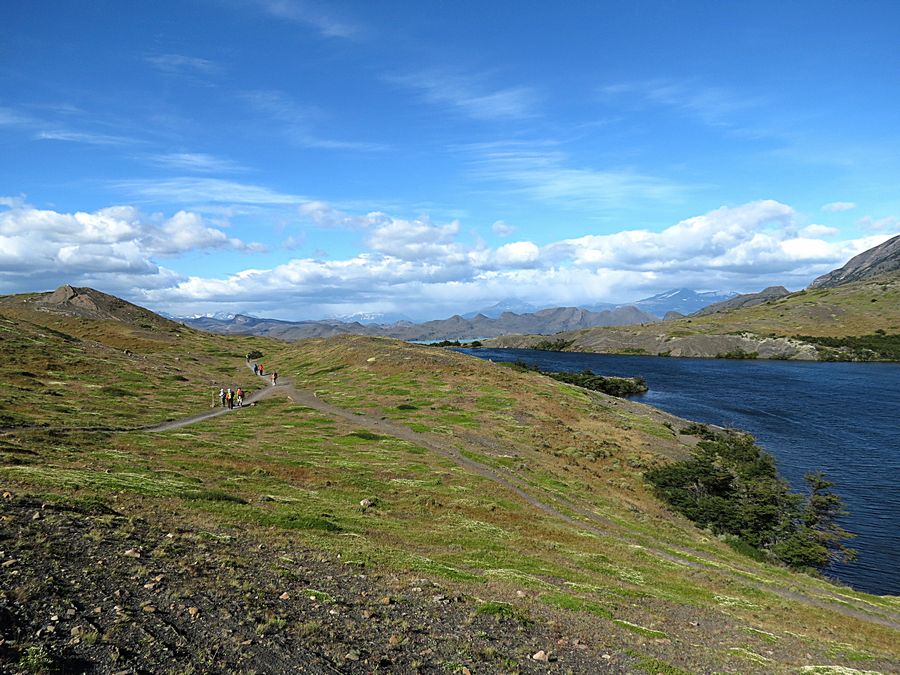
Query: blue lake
point(842, 418)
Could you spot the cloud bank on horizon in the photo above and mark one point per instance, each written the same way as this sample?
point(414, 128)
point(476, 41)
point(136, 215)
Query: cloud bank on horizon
point(273, 157)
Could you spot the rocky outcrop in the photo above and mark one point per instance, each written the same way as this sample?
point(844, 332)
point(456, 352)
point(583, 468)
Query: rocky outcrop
point(89, 303)
point(745, 300)
point(745, 345)
point(879, 260)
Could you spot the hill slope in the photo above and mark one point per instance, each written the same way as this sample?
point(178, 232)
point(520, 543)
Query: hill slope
point(859, 320)
point(398, 507)
point(882, 259)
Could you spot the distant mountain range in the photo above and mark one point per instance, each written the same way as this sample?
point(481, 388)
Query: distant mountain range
point(544, 321)
point(502, 318)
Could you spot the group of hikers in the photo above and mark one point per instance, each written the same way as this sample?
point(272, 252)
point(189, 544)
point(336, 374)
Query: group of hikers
point(235, 397)
point(231, 398)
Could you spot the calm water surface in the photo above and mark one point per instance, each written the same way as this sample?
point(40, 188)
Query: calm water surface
point(843, 418)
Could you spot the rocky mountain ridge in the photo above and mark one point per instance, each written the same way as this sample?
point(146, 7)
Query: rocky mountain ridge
point(878, 260)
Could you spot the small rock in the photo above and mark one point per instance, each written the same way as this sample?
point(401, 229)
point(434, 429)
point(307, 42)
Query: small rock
point(387, 600)
point(520, 594)
point(36, 516)
point(541, 656)
point(284, 596)
point(606, 656)
point(193, 611)
point(9, 563)
point(352, 655)
point(55, 617)
point(149, 609)
point(132, 553)
point(7, 495)
point(368, 502)
point(465, 671)
point(70, 612)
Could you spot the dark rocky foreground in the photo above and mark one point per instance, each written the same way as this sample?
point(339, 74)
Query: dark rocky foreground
point(87, 589)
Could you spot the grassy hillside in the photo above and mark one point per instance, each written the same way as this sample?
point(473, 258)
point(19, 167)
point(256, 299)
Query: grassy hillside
point(855, 309)
point(399, 508)
point(853, 321)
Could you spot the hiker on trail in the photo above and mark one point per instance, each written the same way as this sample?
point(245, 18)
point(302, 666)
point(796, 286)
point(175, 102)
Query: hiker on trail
point(229, 396)
point(222, 396)
point(274, 377)
point(262, 370)
point(240, 397)
point(255, 369)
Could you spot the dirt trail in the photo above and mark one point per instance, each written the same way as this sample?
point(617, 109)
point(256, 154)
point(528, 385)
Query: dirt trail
point(265, 392)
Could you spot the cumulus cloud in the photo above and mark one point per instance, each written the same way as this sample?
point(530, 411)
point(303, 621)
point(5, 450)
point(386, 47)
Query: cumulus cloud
point(325, 215)
point(835, 207)
point(416, 266)
point(115, 244)
point(518, 254)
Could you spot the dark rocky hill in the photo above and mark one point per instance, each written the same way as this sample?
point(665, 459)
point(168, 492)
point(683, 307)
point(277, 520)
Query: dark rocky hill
point(88, 303)
point(879, 260)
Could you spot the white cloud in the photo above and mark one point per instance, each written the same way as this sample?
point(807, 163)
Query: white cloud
point(193, 190)
point(194, 161)
point(297, 123)
point(835, 207)
point(418, 240)
point(714, 106)
point(182, 64)
point(888, 223)
point(317, 15)
point(415, 266)
point(819, 231)
point(325, 215)
point(518, 254)
point(87, 137)
point(113, 244)
point(502, 228)
point(544, 174)
point(471, 94)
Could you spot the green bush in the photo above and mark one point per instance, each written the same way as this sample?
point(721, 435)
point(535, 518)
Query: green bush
point(732, 487)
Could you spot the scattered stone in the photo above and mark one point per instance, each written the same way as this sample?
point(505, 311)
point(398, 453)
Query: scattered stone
point(149, 609)
point(7, 495)
point(193, 611)
point(520, 594)
point(9, 563)
point(284, 596)
point(132, 553)
point(368, 502)
point(541, 656)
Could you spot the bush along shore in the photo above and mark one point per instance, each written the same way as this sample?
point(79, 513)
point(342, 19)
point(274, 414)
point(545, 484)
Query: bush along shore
point(614, 386)
point(732, 487)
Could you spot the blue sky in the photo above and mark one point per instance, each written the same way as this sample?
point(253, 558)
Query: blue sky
point(302, 160)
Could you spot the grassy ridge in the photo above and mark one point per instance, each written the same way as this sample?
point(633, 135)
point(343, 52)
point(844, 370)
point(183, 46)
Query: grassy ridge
point(623, 569)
